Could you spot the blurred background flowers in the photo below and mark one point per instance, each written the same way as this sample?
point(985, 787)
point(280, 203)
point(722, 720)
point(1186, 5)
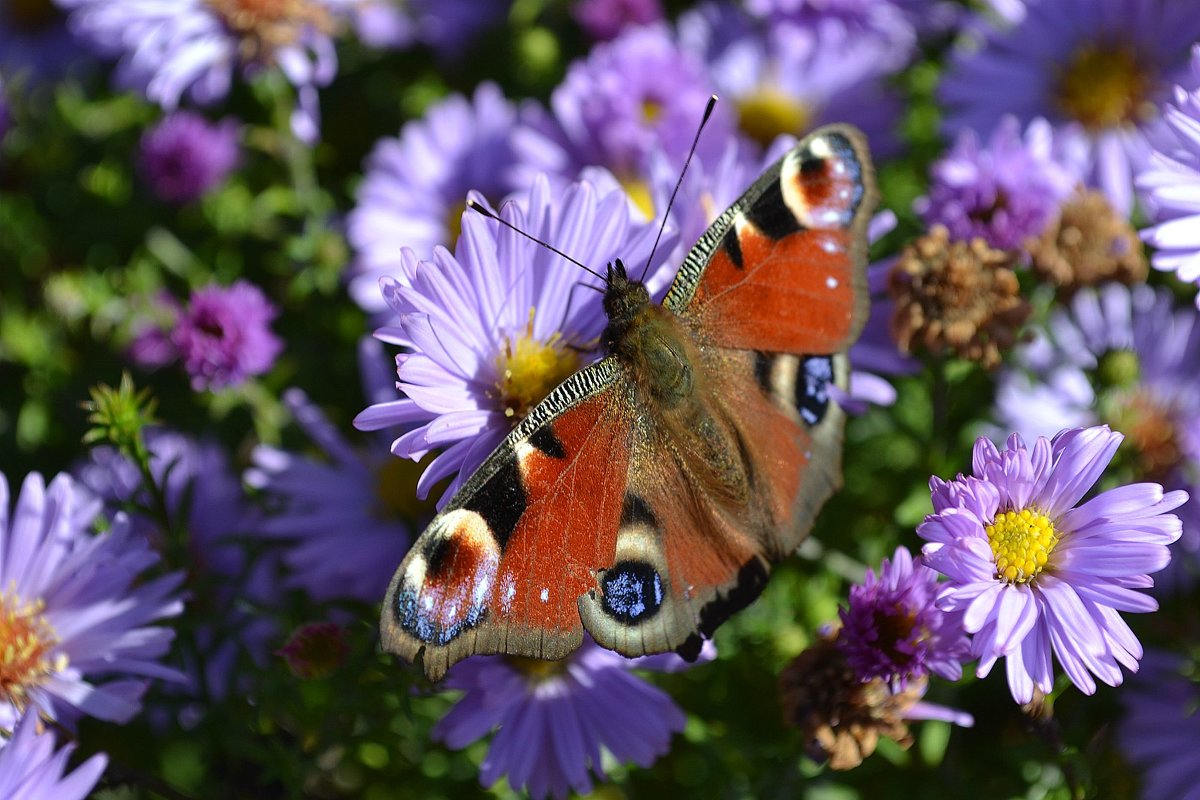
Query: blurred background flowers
point(251, 336)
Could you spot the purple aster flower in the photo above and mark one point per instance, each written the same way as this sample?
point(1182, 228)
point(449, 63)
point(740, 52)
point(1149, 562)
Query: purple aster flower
point(1033, 573)
point(1161, 728)
point(169, 48)
point(1100, 66)
point(79, 632)
point(879, 19)
point(223, 337)
point(788, 79)
point(553, 720)
point(1005, 192)
point(31, 768)
point(490, 330)
point(1171, 184)
point(605, 19)
point(205, 500)
point(631, 95)
point(892, 630)
point(347, 519)
point(1126, 357)
point(415, 189)
point(447, 26)
point(184, 156)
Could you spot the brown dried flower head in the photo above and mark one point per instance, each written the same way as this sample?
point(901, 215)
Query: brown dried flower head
point(1090, 243)
point(957, 296)
point(841, 717)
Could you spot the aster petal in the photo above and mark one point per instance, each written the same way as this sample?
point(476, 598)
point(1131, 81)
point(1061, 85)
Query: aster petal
point(1082, 455)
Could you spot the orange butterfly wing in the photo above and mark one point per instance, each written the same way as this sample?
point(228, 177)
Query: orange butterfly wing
point(649, 525)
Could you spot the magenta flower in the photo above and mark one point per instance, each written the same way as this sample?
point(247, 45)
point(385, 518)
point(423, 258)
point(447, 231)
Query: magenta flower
point(554, 720)
point(79, 636)
point(1033, 573)
point(892, 630)
point(31, 768)
point(223, 337)
point(184, 156)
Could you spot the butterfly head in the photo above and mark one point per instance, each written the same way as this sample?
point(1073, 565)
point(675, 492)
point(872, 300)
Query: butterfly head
point(625, 300)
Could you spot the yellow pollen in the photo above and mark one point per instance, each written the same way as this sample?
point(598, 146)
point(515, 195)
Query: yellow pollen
point(26, 639)
point(651, 110)
point(395, 492)
point(639, 193)
point(1022, 542)
point(529, 370)
point(1104, 86)
point(454, 223)
point(266, 25)
point(766, 113)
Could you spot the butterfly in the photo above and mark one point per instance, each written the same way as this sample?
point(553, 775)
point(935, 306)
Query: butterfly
point(646, 497)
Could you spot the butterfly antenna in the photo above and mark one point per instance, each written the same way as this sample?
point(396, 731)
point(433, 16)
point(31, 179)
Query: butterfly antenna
point(475, 206)
point(708, 109)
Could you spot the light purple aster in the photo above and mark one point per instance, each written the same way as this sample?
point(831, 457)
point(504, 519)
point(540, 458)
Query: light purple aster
point(788, 79)
point(223, 336)
point(172, 48)
point(205, 500)
point(869, 19)
point(415, 188)
point(345, 519)
point(1161, 728)
point(184, 156)
point(450, 27)
point(892, 629)
point(32, 769)
point(1100, 66)
point(79, 617)
point(1005, 192)
point(630, 96)
point(605, 19)
point(479, 327)
point(1171, 185)
point(554, 720)
point(1032, 573)
point(1125, 356)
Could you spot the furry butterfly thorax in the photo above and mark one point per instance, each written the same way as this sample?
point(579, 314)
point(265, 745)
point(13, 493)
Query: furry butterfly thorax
point(644, 500)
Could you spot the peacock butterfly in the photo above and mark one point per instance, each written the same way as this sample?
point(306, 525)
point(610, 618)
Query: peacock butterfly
point(645, 499)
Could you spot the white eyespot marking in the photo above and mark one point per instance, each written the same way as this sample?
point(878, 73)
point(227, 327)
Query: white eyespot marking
point(508, 590)
point(545, 595)
point(831, 282)
point(428, 602)
point(820, 148)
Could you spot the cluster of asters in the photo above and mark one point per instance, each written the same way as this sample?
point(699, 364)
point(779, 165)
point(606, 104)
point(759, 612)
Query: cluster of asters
point(1027, 263)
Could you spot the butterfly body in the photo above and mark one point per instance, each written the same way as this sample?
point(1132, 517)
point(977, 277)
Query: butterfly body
point(646, 497)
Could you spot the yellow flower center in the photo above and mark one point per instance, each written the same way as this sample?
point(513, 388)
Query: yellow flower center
point(767, 112)
point(1022, 542)
point(1102, 87)
point(454, 223)
point(651, 111)
point(265, 25)
point(537, 670)
point(395, 490)
point(639, 192)
point(26, 639)
point(529, 370)
point(31, 15)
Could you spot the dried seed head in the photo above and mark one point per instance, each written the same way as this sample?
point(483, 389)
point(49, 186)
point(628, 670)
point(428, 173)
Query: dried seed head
point(1089, 244)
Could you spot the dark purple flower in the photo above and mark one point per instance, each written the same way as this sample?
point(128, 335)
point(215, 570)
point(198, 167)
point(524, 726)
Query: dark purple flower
point(1161, 727)
point(553, 720)
point(1101, 67)
point(892, 630)
point(605, 19)
point(35, 45)
point(1005, 192)
point(32, 769)
point(1033, 573)
point(224, 335)
point(184, 156)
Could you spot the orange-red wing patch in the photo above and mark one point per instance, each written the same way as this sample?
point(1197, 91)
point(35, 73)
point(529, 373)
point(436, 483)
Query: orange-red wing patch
point(797, 294)
point(573, 491)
